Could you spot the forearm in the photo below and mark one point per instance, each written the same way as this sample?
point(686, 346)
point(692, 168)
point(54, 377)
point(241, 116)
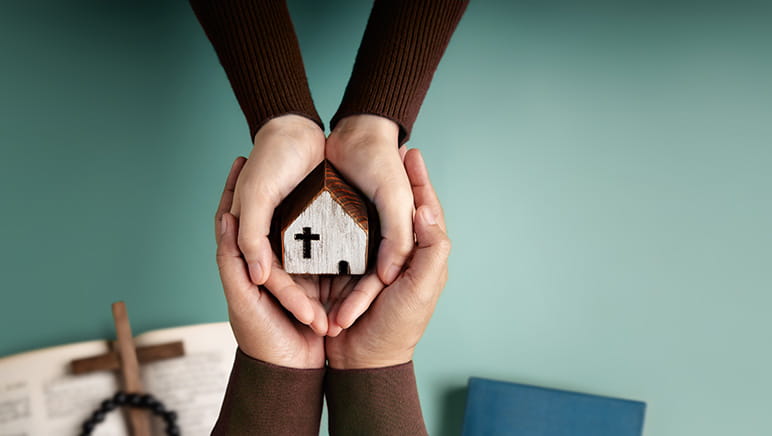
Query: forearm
point(266, 399)
point(400, 51)
point(256, 44)
point(374, 402)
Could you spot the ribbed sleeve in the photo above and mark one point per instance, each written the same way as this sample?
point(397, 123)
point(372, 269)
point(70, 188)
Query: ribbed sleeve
point(374, 402)
point(265, 399)
point(401, 48)
point(256, 44)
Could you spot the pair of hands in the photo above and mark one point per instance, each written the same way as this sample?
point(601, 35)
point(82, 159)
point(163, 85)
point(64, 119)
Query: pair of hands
point(364, 148)
point(385, 335)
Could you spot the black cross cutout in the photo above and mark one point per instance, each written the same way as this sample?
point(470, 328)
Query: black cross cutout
point(306, 237)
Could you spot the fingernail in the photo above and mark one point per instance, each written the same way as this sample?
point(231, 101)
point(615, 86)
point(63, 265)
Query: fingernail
point(392, 273)
point(429, 216)
point(257, 272)
point(223, 225)
point(306, 316)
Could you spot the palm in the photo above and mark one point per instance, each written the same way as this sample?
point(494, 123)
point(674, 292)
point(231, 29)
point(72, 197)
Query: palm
point(380, 330)
point(259, 314)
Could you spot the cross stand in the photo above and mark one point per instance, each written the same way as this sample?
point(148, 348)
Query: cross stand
point(126, 358)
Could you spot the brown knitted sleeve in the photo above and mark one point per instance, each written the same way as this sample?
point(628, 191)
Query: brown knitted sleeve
point(256, 44)
point(401, 48)
point(265, 399)
point(374, 402)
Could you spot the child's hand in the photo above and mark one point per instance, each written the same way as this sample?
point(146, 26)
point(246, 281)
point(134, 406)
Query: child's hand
point(364, 148)
point(286, 149)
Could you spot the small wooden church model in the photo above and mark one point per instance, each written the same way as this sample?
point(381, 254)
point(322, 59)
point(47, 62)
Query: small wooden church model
point(323, 226)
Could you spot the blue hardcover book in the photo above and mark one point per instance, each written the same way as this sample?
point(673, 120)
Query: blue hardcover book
point(495, 408)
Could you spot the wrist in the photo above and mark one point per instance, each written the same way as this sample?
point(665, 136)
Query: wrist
point(284, 360)
point(363, 130)
point(367, 123)
point(295, 136)
point(351, 362)
point(292, 126)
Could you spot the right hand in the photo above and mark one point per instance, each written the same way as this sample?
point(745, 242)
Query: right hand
point(365, 149)
point(388, 332)
point(286, 149)
point(262, 328)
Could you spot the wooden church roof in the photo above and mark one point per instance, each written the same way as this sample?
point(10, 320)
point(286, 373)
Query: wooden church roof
point(324, 178)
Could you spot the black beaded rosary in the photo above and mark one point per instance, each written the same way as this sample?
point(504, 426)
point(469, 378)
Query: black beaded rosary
point(124, 357)
point(140, 401)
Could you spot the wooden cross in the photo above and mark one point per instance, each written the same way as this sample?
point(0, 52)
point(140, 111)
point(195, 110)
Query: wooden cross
point(307, 237)
point(127, 359)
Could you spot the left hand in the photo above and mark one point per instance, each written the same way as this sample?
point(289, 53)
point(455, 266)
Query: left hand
point(286, 149)
point(263, 329)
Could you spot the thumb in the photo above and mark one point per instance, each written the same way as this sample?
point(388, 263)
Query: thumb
point(255, 221)
point(429, 263)
point(395, 210)
point(428, 232)
point(233, 270)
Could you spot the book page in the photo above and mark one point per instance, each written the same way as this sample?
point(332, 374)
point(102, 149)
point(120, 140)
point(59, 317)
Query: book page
point(193, 385)
point(39, 397)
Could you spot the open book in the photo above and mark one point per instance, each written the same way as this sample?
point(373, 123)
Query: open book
point(38, 396)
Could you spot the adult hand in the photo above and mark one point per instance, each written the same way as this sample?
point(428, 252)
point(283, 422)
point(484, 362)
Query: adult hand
point(261, 326)
point(388, 332)
point(364, 148)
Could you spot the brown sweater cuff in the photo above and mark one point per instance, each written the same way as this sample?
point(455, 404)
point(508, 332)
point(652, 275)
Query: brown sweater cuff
point(374, 402)
point(256, 44)
point(401, 48)
point(267, 399)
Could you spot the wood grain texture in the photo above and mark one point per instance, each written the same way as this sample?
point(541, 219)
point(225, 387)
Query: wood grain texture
point(139, 420)
point(111, 361)
point(349, 198)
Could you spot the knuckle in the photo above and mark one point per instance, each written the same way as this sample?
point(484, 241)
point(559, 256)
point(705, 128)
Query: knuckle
point(248, 244)
point(405, 247)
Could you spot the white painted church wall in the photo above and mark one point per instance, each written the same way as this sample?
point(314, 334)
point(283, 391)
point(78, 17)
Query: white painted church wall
point(340, 238)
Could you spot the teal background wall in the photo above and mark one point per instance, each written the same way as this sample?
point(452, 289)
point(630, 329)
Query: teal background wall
point(605, 169)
